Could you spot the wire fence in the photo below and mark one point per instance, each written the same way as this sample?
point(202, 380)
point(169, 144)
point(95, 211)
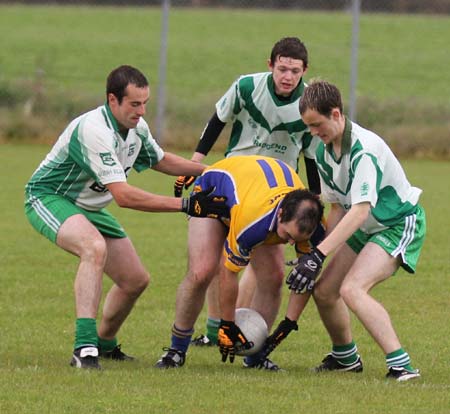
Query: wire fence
point(387, 6)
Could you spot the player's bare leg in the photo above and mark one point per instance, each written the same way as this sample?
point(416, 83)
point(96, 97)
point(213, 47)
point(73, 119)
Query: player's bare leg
point(331, 306)
point(360, 279)
point(125, 268)
point(268, 266)
point(205, 244)
point(79, 237)
point(209, 338)
point(212, 298)
point(247, 286)
point(335, 314)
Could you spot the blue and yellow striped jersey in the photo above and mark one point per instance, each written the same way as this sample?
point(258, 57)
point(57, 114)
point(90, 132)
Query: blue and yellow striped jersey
point(254, 185)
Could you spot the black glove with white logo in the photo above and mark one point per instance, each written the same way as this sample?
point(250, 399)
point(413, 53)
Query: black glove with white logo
point(205, 204)
point(306, 269)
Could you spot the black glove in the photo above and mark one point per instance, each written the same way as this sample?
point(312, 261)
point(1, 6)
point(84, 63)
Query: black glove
point(306, 268)
point(284, 328)
point(182, 181)
point(205, 204)
point(231, 339)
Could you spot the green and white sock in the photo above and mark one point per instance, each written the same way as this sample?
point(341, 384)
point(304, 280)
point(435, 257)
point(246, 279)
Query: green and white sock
point(85, 332)
point(399, 358)
point(345, 354)
point(212, 329)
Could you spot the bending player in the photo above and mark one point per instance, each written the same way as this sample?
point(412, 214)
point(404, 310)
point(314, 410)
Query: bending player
point(268, 206)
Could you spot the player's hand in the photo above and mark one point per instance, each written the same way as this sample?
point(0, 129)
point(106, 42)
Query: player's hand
point(306, 269)
point(231, 339)
point(183, 181)
point(284, 328)
point(205, 204)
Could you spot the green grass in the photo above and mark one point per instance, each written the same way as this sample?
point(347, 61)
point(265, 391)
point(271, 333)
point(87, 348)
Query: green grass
point(402, 65)
point(208, 48)
point(37, 323)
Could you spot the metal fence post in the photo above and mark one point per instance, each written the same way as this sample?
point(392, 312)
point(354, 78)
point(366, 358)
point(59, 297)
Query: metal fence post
point(356, 10)
point(162, 72)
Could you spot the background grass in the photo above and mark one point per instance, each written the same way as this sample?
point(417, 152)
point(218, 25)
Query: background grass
point(55, 60)
point(37, 324)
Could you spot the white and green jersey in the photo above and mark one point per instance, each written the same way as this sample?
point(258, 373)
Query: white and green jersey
point(91, 153)
point(367, 171)
point(264, 124)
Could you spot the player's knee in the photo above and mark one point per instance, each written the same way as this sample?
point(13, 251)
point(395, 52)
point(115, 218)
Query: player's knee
point(95, 251)
point(200, 278)
point(349, 294)
point(323, 296)
point(140, 283)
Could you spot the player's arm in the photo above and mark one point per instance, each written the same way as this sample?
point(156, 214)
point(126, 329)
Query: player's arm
point(296, 305)
point(173, 164)
point(297, 302)
point(335, 215)
point(305, 269)
point(229, 289)
point(341, 229)
point(129, 196)
point(200, 204)
point(312, 175)
point(230, 337)
point(208, 138)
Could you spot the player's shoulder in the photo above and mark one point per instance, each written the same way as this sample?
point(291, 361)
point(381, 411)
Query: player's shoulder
point(252, 79)
point(97, 117)
point(367, 139)
point(81, 124)
point(247, 84)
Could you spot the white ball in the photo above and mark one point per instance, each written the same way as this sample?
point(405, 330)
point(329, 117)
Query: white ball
point(254, 327)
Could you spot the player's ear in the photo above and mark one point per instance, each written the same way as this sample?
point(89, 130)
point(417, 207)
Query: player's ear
point(335, 113)
point(112, 99)
point(280, 211)
point(269, 64)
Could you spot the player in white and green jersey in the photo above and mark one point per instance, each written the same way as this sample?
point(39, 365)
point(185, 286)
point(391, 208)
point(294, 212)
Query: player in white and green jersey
point(265, 123)
point(65, 198)
point(91, 153)
point(376, 223)
point(263, 111)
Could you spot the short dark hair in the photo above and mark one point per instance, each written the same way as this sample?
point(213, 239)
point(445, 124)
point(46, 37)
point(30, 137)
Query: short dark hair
point(121, 77)
point(291, 47)
point(304, 207)
point(322, 97)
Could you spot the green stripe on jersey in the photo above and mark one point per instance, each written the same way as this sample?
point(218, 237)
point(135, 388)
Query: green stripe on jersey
point(147, 155)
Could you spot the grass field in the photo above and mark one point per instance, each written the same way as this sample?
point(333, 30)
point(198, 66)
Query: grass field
point(37, 323)
point(61, 55)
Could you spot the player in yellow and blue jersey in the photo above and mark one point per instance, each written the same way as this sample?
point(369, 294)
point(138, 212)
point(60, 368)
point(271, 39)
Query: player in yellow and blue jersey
point(262, 110)
point(268, 204)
